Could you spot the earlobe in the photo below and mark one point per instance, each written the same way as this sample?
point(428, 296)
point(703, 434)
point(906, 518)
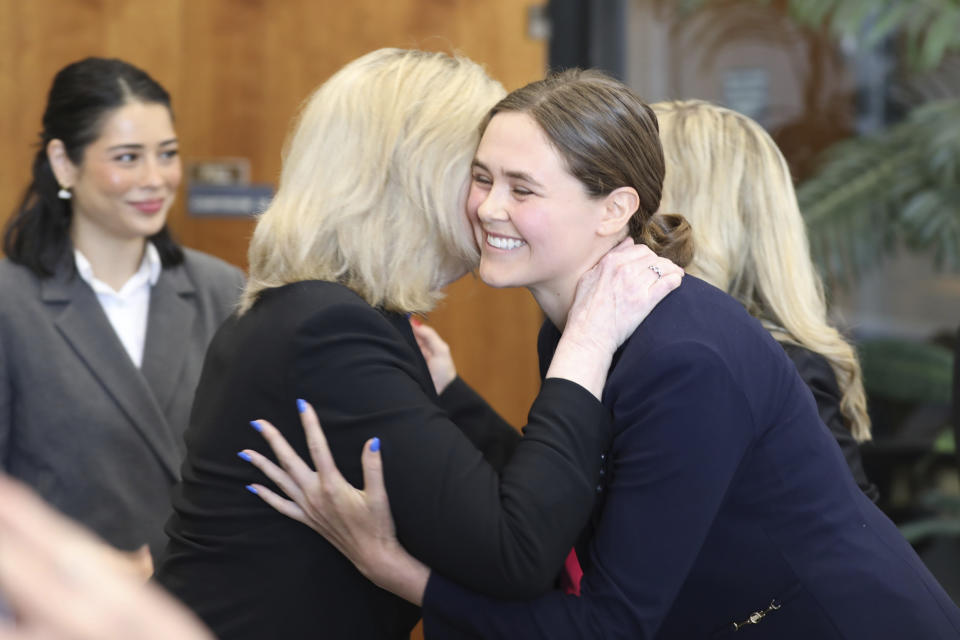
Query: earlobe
point(619, 206)
point(63, 169)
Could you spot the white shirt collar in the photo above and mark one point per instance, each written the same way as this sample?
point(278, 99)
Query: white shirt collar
point(127, 309)
point(149, 270)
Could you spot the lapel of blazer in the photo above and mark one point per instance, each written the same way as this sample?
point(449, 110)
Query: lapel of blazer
point(86, 328)
point(169, 325)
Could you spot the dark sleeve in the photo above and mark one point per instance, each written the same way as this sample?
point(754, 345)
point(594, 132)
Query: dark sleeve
point(820, 378)
point(686, 427)
point(502, 533)
point(483, 426)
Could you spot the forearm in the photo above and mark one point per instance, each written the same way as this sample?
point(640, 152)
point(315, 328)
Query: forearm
point(582, 360)
point(519, 524)
point(398, 572)
point(491, 434)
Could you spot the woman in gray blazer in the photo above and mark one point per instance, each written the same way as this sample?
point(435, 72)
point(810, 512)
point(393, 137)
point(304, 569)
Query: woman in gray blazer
point(104, 319)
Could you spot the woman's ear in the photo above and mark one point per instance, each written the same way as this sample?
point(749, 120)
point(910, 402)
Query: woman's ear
point(63, 169)
point(619, 206)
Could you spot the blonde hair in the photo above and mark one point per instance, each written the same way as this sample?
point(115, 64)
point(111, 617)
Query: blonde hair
point(727, 176)
point(373, 186)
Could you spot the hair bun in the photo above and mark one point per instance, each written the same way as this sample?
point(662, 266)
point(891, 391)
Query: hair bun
point(669, 235)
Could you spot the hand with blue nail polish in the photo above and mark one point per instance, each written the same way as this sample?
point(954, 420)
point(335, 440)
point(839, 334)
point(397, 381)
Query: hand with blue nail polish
point(358, 523)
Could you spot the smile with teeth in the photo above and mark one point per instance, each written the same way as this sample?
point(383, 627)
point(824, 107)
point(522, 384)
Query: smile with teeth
point(508, 244)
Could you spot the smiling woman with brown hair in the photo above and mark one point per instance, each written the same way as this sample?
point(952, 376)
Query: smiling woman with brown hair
point(104, 319)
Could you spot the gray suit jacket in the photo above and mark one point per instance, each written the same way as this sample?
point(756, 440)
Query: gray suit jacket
point(97, 437)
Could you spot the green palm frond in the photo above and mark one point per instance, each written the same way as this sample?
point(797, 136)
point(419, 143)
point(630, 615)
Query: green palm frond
point(930, 28)
point(901, 185)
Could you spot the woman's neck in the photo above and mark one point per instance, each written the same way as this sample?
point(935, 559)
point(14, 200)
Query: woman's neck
point(556, 298)
point(555, 302)
point(113, 260)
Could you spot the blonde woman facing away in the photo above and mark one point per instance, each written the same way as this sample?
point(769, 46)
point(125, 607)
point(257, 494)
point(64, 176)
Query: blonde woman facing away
point(731, 182)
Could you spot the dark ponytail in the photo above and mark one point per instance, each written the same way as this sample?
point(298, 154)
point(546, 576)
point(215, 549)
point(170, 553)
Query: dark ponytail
point(82, 96)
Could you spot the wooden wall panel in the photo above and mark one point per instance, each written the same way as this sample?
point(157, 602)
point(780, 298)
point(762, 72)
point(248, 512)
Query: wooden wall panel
point(221, 108)
point(238, 70)
point(16, 156)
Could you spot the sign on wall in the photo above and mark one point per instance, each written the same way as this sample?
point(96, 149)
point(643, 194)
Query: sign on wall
point(221, 187)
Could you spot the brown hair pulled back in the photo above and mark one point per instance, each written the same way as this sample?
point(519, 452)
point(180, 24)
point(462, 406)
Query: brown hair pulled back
point(608, 138)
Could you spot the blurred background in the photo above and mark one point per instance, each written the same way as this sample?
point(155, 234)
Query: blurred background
point(863, 97)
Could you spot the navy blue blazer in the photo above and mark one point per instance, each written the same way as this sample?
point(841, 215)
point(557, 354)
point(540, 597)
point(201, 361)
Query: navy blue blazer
point(724, 502)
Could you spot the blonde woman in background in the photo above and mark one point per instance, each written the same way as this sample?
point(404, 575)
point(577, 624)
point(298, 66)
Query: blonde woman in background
point(729, 179)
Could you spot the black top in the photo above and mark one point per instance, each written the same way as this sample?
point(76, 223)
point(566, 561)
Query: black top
point(819, 376)
point(250, 572)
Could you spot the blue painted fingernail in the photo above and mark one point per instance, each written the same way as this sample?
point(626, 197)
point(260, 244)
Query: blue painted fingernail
point(256, 425)
point(252, 489)
point(244, 456)
point(301, 405)
point(375, 445)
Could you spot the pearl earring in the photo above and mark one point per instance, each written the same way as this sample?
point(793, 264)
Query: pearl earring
point(64, 193)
